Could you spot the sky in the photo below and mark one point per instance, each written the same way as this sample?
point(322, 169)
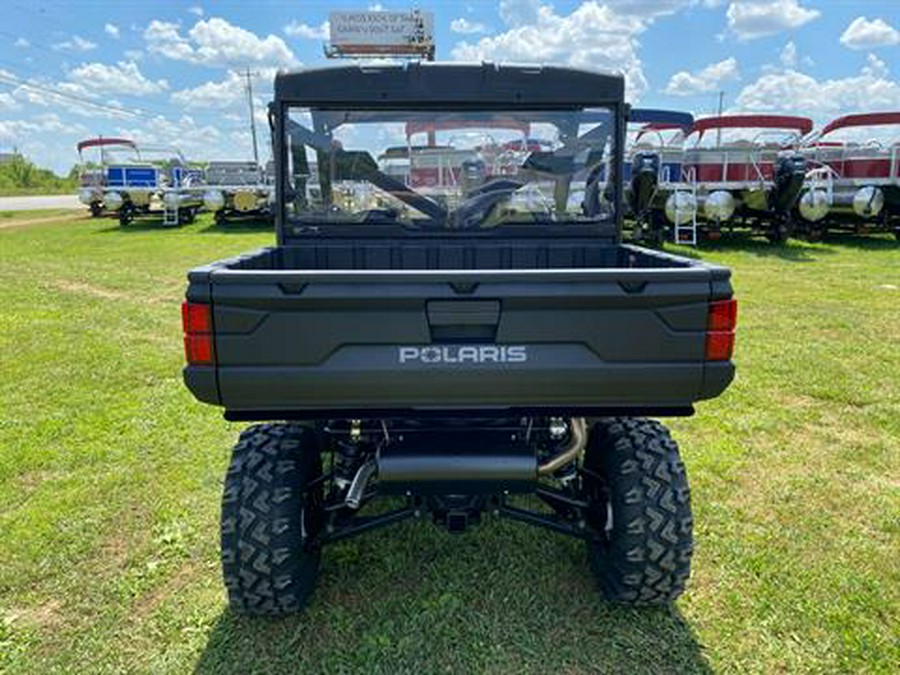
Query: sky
point(167, 73)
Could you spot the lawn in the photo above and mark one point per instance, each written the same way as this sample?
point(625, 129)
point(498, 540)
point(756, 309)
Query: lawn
point(110, 476)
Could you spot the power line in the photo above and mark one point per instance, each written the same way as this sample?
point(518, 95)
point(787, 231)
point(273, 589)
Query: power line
point(26, 84)
point(137, 111)
point(131, 111)
point(13, 81)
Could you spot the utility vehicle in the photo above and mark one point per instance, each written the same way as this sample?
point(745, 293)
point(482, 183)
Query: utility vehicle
point(489, 348)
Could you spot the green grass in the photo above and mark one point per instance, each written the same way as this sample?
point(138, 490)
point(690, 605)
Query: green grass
point(30, 214)
point(110, 476)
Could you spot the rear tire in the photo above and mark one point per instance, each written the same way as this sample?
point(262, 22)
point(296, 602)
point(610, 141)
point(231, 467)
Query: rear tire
point(270, 520)
point(633, 473)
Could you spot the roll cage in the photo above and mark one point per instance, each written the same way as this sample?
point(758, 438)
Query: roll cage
point(411, 94)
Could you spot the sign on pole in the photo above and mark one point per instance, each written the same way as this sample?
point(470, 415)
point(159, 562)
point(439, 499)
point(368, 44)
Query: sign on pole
point(359, 34)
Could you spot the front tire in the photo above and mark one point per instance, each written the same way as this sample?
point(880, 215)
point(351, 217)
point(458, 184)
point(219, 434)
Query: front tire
point(271, 519)
point(640, 506)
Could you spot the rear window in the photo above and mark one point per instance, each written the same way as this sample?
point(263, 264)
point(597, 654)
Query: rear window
point(454, 170)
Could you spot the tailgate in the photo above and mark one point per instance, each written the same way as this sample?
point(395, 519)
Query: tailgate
point(594, 339)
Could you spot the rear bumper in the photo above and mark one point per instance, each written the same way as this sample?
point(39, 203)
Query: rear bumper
point(658, 389)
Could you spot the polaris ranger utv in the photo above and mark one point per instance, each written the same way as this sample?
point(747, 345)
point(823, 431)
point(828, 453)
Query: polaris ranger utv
point(464, 334)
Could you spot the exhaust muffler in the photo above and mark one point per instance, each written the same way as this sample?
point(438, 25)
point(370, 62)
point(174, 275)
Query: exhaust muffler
point(471, 462)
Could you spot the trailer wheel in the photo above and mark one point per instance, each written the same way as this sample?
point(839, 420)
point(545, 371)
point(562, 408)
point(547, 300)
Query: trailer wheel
point(815, 232)
point(778, 231)
point(640, 507)
point(186, 216)
point(219, 217)
point(96, 209)
point(271, 519)
point(126, 214)
point(657, 231)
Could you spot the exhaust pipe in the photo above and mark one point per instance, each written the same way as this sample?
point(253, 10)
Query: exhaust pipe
point(452, 464)
point(360, 483)
point(572, 449)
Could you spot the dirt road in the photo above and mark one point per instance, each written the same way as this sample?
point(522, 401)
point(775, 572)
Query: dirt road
point(37, 202)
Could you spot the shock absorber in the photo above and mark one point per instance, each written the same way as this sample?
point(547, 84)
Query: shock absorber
point(349, 454)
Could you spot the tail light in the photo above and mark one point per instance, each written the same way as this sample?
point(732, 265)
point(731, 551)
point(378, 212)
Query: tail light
point(720, 324)
point(196, 318)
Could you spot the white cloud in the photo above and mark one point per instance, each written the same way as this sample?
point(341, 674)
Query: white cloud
point(227, 93)
point(655, 8)
point(297, 29)
point(865, 34)
point(466, 27)
point(112, 30)
point(163, 38)
point(134, 54)
point(30, 92)
point(196, 141)
point(22, 131)
point(76, 44)
point(519, 12)
point(751, 19)
point(875, 67)
point(21, 43)
point(196, 10)
point(792, 91)
point(8, 102)
point(788, 56)
point(215, 42)
point(122, 78)
point(710, 78)
point(593, 36)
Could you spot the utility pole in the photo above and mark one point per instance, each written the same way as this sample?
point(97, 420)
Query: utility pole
point(249, 89)
point(719, 130)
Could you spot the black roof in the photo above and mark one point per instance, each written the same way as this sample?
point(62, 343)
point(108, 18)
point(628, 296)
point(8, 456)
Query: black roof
point(418, 84)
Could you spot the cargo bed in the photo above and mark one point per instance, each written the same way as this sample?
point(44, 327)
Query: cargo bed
point(373, 327)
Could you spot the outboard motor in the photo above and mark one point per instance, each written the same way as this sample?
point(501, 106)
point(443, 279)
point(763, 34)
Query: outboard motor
point(644, 181)
point(790, 172)
point(473, 173)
